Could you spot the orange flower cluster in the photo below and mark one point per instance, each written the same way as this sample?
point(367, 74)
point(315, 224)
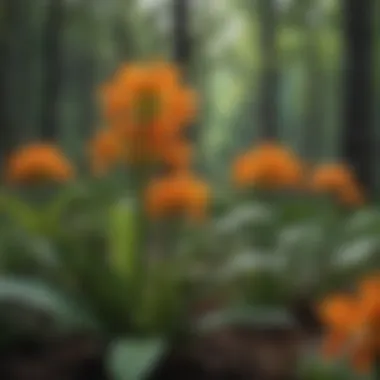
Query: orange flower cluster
point(146, 108)
point(273, 166)
point(269, 166)
point(38, 163)
point(353, 324)
point(338, 181)
point(177, 194)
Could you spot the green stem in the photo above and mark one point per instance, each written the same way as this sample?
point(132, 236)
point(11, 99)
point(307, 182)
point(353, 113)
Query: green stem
point(376, 367)
point(140, 177)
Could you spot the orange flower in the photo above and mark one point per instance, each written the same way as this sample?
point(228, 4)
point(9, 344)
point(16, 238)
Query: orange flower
point(148, 96)
point(177, 193)
point(37, 163)
point(331, 178)
point(339, 181)
point(353, 324)
point(270, 166)
point(105, 150)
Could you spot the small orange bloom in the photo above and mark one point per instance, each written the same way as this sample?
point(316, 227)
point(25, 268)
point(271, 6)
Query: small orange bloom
point(353, 324)
point(38, 163)
point(331, 178)
point(269, 166)
point(105, 150)
point(177, 193)
point(339, 181)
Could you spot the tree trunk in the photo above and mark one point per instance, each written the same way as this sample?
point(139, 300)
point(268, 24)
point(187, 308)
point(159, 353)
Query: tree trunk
point(182, 39)
point(17, 54)
point(182, 47)
point(359, 92)
point(86, 91)
point(314, 112)
point(7, 138)
point(268, 87)
point(53, 69)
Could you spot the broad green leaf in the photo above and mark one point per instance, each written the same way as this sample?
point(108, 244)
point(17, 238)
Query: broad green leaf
point(122, 234)
point(255, 317)
point(248, 215)
point(301, 245)
point(252, 262)
point(364, 221)
point(133, 359)
point(39, 296)
point(25, 254)
point(356, 252)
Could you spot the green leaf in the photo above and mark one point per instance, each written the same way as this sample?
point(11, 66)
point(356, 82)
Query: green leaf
point(21, 213)
point(56, 208)
point(161, 298)
point(255, 317)
point(363, 222)
point(133, 359)
point(32, 295)
point(122, 234)
point(313, 367)
point(247, 215)
point(251, 262)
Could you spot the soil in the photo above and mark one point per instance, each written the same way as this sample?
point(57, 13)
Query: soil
point(243, 353)
point(66, 358)
point(229, 353)
point(233, 354)
point(225, 354)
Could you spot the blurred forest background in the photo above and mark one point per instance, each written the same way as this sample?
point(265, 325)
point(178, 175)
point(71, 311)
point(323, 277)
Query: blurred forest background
point(303, 71)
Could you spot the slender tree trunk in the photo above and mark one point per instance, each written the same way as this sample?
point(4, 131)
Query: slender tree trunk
point(123, 40)
point(268, 88)
point(86, 82)
point(7, 135)
point(359, 92)
point(53, 68)
point(182, 46)
point(314, 113)
point(17, 53)
point(182, 39)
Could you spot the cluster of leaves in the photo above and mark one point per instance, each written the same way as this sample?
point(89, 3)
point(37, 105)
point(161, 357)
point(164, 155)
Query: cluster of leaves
point(74, 257)
point(281, 247)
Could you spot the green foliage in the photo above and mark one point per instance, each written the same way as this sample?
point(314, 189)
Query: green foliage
point(286, 246)
point(256, 318)
point(133, 359)
point(32, 306)
point(80, 255)
point(122, 237)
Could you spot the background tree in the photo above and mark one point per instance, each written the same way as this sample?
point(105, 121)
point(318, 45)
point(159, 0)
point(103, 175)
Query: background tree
point(268, 90)
point(358, 114)
point(52, 68)
point(181, 32)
